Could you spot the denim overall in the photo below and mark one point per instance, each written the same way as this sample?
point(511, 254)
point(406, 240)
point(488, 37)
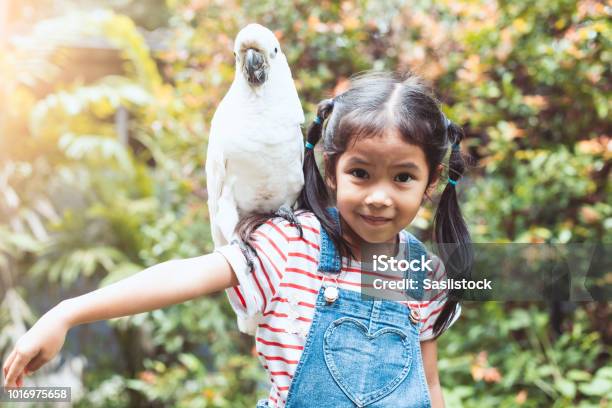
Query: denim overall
point(358, 353)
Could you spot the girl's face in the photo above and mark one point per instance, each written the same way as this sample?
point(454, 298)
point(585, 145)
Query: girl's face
point(379, 185)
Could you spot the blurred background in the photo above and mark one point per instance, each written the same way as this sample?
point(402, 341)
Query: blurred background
point(105, 109)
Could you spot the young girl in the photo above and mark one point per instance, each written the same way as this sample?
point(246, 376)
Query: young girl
point(384, 141)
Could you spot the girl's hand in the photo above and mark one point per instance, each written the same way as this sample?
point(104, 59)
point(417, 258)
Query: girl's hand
point(35, 348)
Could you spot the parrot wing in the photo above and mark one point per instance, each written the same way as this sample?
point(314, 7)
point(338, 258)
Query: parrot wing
point(215, 174)
point(222, 207)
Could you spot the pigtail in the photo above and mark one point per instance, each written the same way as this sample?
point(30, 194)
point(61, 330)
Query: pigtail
point(315, 196)
point(450, 228)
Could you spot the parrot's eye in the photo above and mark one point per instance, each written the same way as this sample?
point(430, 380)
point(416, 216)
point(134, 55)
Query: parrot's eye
point(272, 55)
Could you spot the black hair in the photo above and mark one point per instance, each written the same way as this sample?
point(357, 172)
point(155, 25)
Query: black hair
point(375, 103)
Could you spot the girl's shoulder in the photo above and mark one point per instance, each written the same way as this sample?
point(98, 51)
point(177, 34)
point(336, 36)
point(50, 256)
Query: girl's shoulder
point(280, 227)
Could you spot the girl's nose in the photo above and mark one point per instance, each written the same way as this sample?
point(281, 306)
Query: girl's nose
point(378, 198)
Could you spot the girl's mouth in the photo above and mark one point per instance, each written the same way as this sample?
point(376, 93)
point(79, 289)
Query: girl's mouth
point(375, 220)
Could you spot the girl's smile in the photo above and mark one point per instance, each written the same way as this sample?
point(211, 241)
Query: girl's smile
point(375, 220)
point(379, 185)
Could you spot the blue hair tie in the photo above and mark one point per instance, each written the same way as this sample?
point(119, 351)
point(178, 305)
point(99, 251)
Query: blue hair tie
point(309, 145)
point(456, 147)
point(318, 120)
point(453, 182)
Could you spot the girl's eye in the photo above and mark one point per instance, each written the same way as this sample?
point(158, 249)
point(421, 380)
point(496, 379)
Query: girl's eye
point(359, 173)
point(403, 178)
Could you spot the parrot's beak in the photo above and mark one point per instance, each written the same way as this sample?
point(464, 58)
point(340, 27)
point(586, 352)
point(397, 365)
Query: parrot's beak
point(255, 67)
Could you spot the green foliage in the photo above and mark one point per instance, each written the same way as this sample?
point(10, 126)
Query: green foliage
point(527, 80)
point(509, 359)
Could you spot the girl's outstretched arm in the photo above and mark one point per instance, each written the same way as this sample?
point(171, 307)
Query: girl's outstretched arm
point(158, 286)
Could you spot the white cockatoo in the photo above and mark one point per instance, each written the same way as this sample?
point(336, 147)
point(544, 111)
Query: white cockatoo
point(255, 147)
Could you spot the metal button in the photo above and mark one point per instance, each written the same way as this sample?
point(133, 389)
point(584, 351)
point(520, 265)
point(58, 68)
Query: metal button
point(331, 294)
point(415, 316)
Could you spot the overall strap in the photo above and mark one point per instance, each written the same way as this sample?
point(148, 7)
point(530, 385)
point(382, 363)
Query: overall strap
point(416, 250)
point(329, 261)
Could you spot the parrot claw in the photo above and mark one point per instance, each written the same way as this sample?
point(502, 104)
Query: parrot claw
point(249, 253)
point(287, 213)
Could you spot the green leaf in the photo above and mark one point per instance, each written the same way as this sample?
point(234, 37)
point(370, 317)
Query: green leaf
point(579, 375)
point(604, 372)
point(597, 387)
point(565, 387)
point(190, 361)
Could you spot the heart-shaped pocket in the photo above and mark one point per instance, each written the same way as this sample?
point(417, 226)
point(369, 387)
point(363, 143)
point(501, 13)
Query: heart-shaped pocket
point(367, 367)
